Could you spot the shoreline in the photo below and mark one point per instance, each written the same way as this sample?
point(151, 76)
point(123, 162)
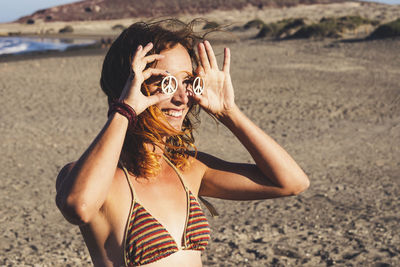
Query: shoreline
point(97, 49)
point(104, 31)
point(71, 52)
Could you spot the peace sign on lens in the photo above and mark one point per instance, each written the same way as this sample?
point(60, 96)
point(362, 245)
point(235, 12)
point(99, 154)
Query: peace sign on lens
point(169, 85)
point(198, 85)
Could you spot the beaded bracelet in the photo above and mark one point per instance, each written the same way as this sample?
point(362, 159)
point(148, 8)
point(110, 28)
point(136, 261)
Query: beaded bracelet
point(125, 110)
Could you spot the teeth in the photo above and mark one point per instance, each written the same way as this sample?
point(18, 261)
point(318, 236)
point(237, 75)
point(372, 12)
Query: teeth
point(173, 113)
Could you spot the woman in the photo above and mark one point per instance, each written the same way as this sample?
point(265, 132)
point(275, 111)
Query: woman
point(134, 191)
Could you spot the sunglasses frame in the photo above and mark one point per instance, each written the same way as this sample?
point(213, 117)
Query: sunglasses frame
point(198, 85)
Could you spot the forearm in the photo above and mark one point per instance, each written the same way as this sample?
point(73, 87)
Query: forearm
point(273, 161)
point(85, 187)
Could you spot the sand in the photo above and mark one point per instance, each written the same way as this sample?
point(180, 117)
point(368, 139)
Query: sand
point(335, 106)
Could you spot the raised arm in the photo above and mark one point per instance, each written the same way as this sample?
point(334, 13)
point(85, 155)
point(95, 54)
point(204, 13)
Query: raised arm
point(275, 174)
point(82, 187)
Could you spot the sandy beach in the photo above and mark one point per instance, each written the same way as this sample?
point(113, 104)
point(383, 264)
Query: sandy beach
point(335, 106)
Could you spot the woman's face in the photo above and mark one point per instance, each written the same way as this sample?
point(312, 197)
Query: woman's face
point(178, 63)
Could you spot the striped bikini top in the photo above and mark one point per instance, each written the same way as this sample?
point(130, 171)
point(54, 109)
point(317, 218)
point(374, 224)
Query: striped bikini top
point(147, 240)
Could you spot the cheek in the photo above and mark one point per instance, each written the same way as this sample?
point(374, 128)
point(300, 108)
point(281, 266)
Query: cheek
point(164, 104)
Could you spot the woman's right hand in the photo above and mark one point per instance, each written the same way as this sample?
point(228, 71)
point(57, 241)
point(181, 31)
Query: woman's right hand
point(132, 93)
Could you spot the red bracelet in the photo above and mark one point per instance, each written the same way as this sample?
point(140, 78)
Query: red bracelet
point(125, 110)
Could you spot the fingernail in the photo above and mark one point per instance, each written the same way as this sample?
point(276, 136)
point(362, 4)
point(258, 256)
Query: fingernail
point(139, 47)
point(150, 43)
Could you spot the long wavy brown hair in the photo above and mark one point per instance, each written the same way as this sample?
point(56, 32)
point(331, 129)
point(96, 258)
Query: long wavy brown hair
point(138, 152)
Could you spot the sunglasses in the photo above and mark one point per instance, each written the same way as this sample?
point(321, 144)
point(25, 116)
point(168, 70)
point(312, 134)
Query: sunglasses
point(169, 85)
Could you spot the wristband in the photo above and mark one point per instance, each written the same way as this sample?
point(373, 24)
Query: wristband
point(125, 110)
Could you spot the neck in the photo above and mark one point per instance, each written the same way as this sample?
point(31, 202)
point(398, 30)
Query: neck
point(158, 148)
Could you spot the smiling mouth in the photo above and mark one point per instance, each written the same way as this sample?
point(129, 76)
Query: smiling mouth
point(173, 113)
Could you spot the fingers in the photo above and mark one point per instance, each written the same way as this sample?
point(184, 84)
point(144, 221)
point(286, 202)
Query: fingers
point(137, 54)
point(140, 59)
point(227, 60)
point(154, 99)
point(208, 59)
point(152, 58)
point(142, 51)
point(154, 72)
point(203, 57)
point(210, 54)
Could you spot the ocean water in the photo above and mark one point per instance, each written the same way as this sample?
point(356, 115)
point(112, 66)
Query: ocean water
point(20, 45)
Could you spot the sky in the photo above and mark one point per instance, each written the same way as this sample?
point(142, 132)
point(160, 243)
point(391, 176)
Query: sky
point(392, 2)
point(11, 10)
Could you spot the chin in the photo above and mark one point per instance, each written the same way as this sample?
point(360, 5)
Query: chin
point(175, 121)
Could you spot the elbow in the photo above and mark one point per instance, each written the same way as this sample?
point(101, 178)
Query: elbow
point(297, 185)
point(72, 206)
point(301, 186)
point(74, 211)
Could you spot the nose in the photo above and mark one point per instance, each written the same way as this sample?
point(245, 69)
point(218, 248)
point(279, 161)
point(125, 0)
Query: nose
point(180, 96)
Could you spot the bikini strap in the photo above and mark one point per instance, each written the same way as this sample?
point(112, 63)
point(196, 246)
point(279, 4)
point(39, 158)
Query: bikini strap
point(130, 212)
point(177, 172)
point(209, 206)
point(130, 184)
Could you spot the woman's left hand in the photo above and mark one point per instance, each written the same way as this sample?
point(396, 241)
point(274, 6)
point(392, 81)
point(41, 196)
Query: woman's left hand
point(218, 95)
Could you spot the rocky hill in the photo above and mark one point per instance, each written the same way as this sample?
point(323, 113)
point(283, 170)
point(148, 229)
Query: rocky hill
point(117, 9)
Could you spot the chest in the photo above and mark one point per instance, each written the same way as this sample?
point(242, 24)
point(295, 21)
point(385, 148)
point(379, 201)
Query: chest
point(163, 221)
point(164, 200)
